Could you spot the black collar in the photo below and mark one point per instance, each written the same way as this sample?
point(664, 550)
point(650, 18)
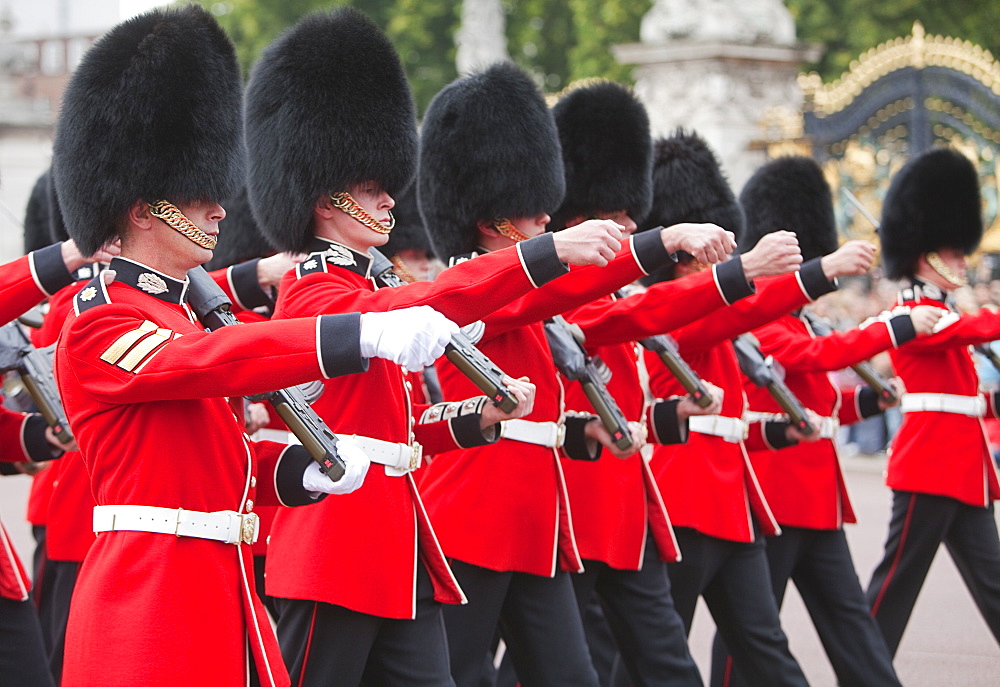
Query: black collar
point(342, 256)
point(150, 281)
point(920, 290)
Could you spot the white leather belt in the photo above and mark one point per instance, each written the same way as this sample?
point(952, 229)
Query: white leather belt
point(225, 525)
point(551, 434)
point(974, 406)
point(731, 429)
point(398, 459)
point(828, 429)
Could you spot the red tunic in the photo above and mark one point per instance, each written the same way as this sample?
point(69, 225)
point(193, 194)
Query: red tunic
point(373, 556)
point(505, 506)
point(23, 283)
point(804, 484)
point(145, 391)
point(616, 501)
point(70, 508)
point(708, 483)
point(943, 453)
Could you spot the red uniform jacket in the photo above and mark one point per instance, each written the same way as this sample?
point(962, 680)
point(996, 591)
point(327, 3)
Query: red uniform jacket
point(943, 453)
point(23, 283)
point(804, 484)
point(145, 389)
point(374, 555)
point(616, 501)
point(505, 506)
point(708, 483)
point(70, 505)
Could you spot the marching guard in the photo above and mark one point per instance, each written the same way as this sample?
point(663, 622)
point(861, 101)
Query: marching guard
point(490, 172)
point(332, 136)
point(803, 482)
point(942, 476)
point(148, 139)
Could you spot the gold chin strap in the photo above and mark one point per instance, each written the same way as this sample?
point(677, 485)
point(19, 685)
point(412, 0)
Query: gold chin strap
point(937, 264)
point(175, 219)
point(504, 226)
point(344, 201)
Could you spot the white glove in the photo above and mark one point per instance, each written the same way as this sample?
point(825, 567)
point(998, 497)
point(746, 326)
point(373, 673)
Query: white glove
point(356, 464)
point(413, 337)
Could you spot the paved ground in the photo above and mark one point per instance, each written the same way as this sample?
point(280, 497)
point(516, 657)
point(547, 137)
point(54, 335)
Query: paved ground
point(946, 644)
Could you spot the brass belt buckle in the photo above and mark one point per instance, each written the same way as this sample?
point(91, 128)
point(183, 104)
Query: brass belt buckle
point(249, 528)
point(416, 456)
point(560, 435)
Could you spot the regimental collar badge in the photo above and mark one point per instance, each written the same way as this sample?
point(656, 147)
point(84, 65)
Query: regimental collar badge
point(342, 256)
point(150, 281)
point(921, 289)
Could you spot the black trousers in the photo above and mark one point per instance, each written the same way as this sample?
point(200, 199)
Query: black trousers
point(324, 645)
point(640, 611)
point(819, 563)
point(22, 652)
point(735, 582)
point(919, 524)
point(538, 620)
point(270, 603)
point(62, 580)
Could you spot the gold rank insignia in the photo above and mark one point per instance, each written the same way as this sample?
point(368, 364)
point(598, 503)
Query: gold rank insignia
point(135, 348)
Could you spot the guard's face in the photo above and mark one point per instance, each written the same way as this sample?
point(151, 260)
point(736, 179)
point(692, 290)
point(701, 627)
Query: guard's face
point(377, 203)
point(621, 217)
point(531, 226)
point(955, 262)
point(179, 252)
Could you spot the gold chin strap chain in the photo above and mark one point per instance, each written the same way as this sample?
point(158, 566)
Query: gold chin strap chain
point(504, 226)
point(344, 201)
point(168, 212)
point(937, 264)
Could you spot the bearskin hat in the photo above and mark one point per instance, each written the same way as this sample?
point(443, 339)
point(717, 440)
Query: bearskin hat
point(933, 202)
point(37, 215)
point(607, 152)
point(790, 193)
point(240, 239)
point(689, 186)
point(327, 106)
point(488, 149)
point(409, 232)
point(152, 113)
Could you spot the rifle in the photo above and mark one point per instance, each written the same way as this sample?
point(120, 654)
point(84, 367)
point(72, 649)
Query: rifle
point(864, 369)
point(34, 366)
point(765, 372)
point(462, 351)
point(566, 342)
point(986, 350)
point(666, 348)
point(213, 308)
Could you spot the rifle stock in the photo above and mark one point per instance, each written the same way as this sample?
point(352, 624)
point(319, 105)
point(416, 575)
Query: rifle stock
point(879, 384)
point(573, 361)
point(34, 366)
point(461, 351)
point(761, 372)
point(665, 347)
point(213, 309)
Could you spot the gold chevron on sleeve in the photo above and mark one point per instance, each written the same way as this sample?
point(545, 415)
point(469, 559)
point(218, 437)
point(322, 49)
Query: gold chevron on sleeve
point(131, 348)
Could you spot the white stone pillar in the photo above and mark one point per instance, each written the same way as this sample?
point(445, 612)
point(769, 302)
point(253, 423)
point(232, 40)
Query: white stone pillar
point(716, 67)
point(481, 39)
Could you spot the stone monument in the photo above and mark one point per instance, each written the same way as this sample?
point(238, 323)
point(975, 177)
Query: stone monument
point(723, 68)
point(480, 39)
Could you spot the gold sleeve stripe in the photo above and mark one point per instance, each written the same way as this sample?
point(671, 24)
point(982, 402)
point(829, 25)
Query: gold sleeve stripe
point(144, 348)
point(126, 341)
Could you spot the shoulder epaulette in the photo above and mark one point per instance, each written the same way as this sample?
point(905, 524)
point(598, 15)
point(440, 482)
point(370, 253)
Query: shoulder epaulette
point(462, 257)
point(94, 293)
point(313, 264)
